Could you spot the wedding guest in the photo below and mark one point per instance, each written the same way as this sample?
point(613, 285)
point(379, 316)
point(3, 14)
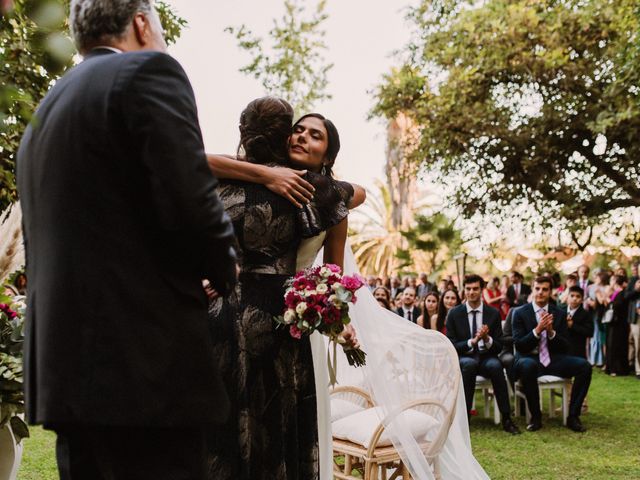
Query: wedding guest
point(429, 308)
point(20, 283)
point(491, 295)
point(583, 277)
point(506, 355)
point(563, 297)
point(382, 293)
point(397, 301)
point(475, 331)
point(448, 300)
point(596, 303)
point(504, 303)
point(384, 303)
point(425, 286)
point(579, 322)
point(119, 207)
point(405, 282)
point(413, 283)
point(395, 286)
point(371, 282)
point(408, 309)
point(632, 294)
point(442, 285)
point(617, 353)
point(539, 336)
point(518, 293)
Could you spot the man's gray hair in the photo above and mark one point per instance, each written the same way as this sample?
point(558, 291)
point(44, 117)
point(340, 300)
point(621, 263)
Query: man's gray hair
point(94, 22)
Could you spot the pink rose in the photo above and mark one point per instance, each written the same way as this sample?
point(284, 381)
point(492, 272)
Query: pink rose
point(295, 332)
point(334, 268)
point(351, 283)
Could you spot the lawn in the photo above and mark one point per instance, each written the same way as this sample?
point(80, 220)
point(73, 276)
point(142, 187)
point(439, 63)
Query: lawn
point(609, 450)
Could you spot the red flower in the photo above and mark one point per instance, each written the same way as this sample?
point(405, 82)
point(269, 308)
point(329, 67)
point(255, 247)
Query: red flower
point(295, 332)
point(291, 299)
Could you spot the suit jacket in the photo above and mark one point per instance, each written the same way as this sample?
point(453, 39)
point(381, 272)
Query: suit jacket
point(415, 313)
point(459, 331)
point(581, 329)
point(121, 224)
point(632, 296)
point(525, 291)
point(507, 333)
point(523, 323)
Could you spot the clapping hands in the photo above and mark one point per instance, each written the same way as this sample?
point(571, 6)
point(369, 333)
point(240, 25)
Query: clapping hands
point(546, 323)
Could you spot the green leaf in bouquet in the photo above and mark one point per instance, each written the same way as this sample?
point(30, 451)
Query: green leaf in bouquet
point(343, 295)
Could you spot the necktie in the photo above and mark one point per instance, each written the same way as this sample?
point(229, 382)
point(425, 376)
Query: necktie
point(517, 292)
point(474, 326)
point(545, 357)
point(409, 316)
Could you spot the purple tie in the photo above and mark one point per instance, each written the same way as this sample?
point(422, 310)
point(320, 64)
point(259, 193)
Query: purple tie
point(545, 358)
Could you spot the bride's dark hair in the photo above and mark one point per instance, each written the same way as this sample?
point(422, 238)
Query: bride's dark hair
point(333, 139)
point(265, 126)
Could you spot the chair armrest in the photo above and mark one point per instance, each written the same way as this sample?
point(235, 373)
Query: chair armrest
point(397, 411)
point(358, 391)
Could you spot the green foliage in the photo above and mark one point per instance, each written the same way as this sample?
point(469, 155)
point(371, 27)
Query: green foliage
point(525, 100)
point(293, 67)
point(35, 49)
point(434, 235)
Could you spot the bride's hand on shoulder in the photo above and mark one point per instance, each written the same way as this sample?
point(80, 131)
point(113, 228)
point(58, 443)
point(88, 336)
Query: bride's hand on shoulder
point(289, 184)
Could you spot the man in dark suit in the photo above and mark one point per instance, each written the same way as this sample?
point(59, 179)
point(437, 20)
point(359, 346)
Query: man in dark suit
point(579, 323)
point(408, 309)
point(632, 295)
point(540, 339)
point(475, 331)
point(518, 292)
point(122, 225)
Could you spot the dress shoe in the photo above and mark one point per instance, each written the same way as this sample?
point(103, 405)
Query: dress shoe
point(536, 424)
point(575, 424)
point(510, 427)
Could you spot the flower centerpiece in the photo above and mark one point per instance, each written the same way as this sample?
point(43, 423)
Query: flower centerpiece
point(317, 299)
point(11, 339)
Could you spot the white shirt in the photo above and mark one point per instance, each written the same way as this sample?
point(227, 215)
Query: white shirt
point(405, 310)
point(481, 343)
point(536, 309)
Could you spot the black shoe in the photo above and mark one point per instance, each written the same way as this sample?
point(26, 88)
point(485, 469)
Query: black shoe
point(575, 424)
point(510, 427)
point(535, 425)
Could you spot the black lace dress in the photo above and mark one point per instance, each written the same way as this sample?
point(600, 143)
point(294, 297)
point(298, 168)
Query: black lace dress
point(271, 432)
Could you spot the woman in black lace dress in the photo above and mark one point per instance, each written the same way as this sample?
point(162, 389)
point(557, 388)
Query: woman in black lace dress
point(271, 432)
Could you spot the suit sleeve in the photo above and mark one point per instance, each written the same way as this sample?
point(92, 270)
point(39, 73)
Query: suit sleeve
point(631, 293)
point(523, 339)
point(496, 331)
point(460, 345)
point(160, 112)
point(583, 324)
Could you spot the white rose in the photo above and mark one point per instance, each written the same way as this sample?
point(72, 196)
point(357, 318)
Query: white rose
point(325, 272)
point(301, 308)
point(289, 316)
point(322, 289)
point(335, 287)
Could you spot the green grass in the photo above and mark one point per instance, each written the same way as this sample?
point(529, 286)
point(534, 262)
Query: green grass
point(610, 449)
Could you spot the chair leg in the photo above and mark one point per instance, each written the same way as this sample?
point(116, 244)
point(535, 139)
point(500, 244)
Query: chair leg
point(565, 404)
point(552, 403)
point(496, 411)
point(487, 402)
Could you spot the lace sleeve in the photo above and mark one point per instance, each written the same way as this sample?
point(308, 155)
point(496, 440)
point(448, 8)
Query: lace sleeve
point(328, 207)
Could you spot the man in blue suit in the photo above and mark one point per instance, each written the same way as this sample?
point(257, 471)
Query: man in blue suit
point(540, 340)
point(475, 331)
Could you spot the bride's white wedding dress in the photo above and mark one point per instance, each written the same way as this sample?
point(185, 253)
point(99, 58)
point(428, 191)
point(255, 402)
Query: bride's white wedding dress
point(396, 351)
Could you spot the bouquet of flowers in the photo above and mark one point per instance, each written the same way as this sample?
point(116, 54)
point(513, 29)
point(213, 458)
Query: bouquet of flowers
point(11, 338)
point(317, 299)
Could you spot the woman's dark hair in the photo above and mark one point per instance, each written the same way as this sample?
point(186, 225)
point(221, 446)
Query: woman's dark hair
point(384, 302)
point(387, 293)
point(425, 312)
point(442, 310)
point(620, 280)
point(265, 126)
point(333, 140)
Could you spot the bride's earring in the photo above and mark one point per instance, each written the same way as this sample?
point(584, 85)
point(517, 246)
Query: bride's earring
point(324, 170)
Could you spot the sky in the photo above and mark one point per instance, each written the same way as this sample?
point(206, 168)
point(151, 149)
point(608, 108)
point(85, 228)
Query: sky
point(361, 37)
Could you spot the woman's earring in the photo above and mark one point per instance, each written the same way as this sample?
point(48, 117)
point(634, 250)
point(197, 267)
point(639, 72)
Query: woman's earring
point(324, 170)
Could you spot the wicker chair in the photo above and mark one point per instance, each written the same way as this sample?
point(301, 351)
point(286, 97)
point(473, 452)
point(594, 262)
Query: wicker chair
point(378, 461)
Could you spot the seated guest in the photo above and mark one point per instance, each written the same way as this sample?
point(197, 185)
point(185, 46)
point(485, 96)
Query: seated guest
point(475, 331)
point(429, 309)
point(408, 310)
point(579, 323)
point(540, 339)
point(448, 300)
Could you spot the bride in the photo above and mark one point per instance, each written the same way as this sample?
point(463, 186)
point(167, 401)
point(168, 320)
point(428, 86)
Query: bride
point(395, 347)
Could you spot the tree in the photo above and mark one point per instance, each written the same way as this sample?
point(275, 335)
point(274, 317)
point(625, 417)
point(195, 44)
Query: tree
point(525, 101)
point(35, 50)
point(295, 68)
point(434, 237)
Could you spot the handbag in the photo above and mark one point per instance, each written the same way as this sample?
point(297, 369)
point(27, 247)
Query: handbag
point(608, 315)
